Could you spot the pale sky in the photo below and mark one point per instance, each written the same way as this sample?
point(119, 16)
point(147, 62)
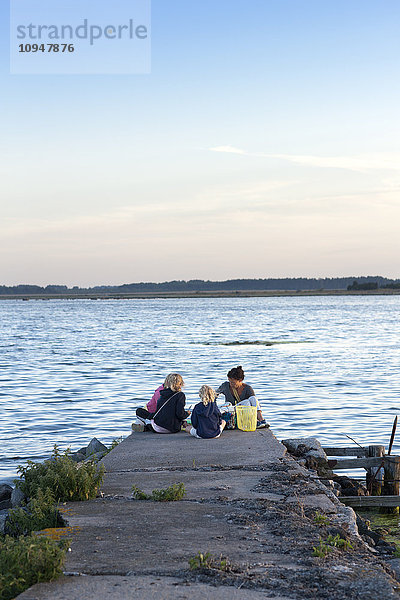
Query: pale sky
point(265, 143)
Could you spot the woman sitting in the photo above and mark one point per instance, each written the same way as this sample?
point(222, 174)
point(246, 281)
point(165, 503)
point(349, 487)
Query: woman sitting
point(238, 392)
point(170, 412)
point(206, 418)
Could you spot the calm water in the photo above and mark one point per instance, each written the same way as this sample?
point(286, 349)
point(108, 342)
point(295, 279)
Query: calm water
point(73, 369)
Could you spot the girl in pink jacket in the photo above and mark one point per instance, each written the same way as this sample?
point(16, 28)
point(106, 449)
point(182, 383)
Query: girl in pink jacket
point(152, 404)
point(146, 414)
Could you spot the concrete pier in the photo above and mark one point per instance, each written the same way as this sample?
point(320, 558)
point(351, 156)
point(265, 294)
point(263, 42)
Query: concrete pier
point(246, 500)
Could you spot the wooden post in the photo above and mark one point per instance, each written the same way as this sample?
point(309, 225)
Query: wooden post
point(392, 480)
point(392, 476)
point(374, 477)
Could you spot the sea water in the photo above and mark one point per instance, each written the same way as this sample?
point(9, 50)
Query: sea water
point(323, 366)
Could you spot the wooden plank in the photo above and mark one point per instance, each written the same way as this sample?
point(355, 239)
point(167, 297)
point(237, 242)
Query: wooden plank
point(355, 463)
point(370, 501)
point(353, 451)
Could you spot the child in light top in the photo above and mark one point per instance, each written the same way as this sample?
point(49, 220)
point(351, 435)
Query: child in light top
point(206, 418)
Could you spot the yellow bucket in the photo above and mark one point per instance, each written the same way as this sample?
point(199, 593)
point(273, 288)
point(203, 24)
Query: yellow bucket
point(246, 417)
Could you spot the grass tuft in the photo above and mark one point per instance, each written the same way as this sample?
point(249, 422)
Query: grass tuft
point(326, 546)
point(138, 494)
point(208, 561)
point(320, 519)
point(322, 549)
point(174, 492)
point(338, 542)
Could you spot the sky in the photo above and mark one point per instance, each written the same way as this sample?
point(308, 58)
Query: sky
point(263, 143)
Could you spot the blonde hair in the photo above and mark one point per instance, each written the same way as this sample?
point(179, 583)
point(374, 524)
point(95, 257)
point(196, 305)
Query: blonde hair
point(174, 382)
point(207, 394)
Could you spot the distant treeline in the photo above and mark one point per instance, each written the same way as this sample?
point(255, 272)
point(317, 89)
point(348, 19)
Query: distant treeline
point(372, 285)
point(198, 285)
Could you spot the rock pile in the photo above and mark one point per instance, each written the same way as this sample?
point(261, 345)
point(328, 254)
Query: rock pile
point(376, 538)
point(310, 454)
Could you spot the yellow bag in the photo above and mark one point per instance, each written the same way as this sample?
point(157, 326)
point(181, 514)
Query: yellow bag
point(246, 417)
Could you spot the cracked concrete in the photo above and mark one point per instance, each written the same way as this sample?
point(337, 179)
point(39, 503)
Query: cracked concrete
point(245, 500)
point(151, 588)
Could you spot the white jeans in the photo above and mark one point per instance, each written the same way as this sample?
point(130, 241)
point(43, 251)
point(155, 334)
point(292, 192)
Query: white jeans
point(193, 432)
point(252, 401)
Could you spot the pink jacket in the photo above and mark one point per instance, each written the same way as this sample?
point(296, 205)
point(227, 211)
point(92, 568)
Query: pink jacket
point(152, 404)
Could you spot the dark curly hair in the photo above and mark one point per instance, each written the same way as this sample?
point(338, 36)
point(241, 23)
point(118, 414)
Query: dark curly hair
point(236, 373)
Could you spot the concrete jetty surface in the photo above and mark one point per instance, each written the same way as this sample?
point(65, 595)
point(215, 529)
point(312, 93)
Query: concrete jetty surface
point(246, 500)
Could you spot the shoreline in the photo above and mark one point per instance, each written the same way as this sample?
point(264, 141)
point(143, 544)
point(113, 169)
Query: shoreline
point(201, 294)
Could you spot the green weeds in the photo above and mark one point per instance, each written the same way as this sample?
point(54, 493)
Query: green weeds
point(338, 542)
point(40, 513)
point(28, 560)
point(320, 519)
point(174, 492)
point(208, 561)
point(396, 553)
point(322, 549)
point(326, 546)
point(65, 479)
point(138, 494)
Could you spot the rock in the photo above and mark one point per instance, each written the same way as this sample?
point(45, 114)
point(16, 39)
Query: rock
point(94, 447)
point(318, 455)
point(387, 547)
point(338, 531)
point(95, 456)
point(368, 540)
point(363, 524)
point(319, 502)
point(301, 446)
point(395, 565)
point(78, 457)
point(306, 447)
point(328, 483)
point(350, 487)
point(373, 535)
point(346, 518)
point(4, 504)
point(81, 451)
point(310, 450)
point(332, 486)
point(5, 491)
point(17, 497)
point(318, 464)
point(3, 517)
